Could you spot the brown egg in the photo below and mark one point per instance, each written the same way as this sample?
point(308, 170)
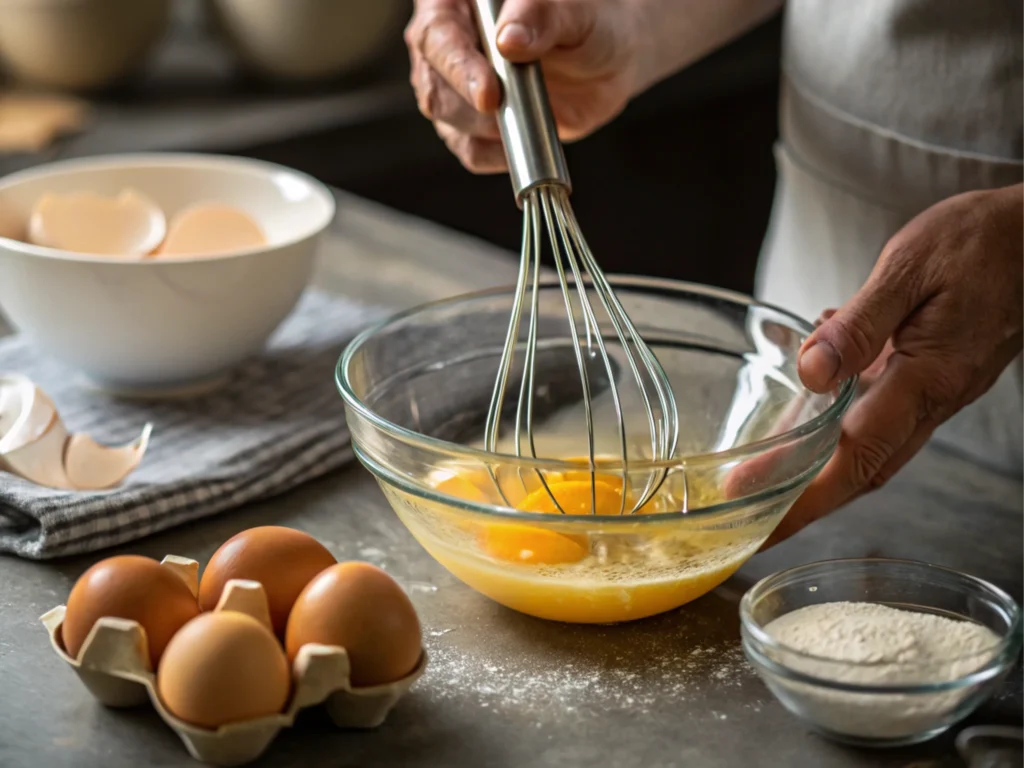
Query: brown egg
point(283, 560)
point(129, 587)
point(223, 667)
point(362, 609)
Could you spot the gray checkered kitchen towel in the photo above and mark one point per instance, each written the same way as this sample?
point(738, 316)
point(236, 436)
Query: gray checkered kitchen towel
point(280, 422)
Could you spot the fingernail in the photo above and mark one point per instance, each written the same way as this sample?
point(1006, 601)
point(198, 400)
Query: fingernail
point(819, 365)
point(515, 35)
point(474, 92)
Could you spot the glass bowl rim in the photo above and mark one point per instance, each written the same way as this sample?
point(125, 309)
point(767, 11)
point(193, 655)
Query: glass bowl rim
point(835, 410)
point(752, 629)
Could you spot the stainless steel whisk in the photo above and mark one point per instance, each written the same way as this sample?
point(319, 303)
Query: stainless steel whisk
point(540, 179)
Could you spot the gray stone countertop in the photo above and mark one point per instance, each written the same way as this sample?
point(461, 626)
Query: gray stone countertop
point(504, 689)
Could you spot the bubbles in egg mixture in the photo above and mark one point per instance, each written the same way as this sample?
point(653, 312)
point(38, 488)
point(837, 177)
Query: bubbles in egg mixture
point(649, 552)
point(617, 569)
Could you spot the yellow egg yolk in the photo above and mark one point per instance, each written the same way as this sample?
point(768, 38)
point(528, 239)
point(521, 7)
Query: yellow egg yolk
point(463, 488)
point(532, 545)
point(541, 546)
point(555, 572)
point(575, 497)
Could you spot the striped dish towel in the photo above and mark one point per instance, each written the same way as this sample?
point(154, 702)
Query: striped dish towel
point(280, 422)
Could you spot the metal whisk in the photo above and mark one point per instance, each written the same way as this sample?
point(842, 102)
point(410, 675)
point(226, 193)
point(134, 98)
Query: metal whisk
point(540, 179)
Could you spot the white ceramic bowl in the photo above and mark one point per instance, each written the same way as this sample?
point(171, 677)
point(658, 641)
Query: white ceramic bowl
point(308, 39)
point(163, 326)
point(78, 44)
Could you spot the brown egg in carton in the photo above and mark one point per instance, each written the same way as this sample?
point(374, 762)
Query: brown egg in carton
point(114, 665)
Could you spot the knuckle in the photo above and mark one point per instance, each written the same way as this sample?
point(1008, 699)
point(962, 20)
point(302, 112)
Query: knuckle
point(899, 250)
point(443, 133)
point(411, 34)
point(468, 161)
point(869, 455)
point(424, 100)
point(476, 154)
point(453, 61)
point(417, 69)
point(436, 34)
point(422, 32)
point(428, 96)
point(458, 143)
point(941, 393)
point(852, 332)
point(470, 153)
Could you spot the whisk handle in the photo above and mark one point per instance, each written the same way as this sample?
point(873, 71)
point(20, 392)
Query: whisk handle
point(527, 126)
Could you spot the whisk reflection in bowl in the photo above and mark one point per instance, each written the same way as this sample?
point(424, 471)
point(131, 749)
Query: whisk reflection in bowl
point(541, 182)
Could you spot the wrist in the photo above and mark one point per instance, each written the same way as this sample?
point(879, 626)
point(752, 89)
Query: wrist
point(648, 47)
point(673, 34)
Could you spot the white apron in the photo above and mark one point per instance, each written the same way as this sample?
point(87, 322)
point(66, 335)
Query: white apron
point(887, 107)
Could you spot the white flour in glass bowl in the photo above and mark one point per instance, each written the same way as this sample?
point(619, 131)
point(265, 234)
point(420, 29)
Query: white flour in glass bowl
point(882, 646)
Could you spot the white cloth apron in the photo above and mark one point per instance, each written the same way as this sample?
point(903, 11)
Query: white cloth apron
point(887, 107)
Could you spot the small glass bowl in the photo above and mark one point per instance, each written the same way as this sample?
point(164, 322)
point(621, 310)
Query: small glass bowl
point(911, 705)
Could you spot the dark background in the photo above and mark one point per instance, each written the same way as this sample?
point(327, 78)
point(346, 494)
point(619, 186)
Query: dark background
point(680, 185)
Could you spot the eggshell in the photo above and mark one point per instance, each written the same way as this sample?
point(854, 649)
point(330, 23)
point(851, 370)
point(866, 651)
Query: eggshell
point(35, 444)
point(129, 587)
point(283, 560)
point(26, 413)
point(12, 225)
point(359, 607)
point(90, 466)
point(221, 668)
point(129, 224)
point(210, 229)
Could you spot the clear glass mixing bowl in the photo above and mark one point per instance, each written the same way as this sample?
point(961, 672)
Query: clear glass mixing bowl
point(417, 388)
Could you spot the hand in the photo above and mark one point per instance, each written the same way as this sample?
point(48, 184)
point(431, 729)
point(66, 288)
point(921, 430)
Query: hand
point(938, 320)
point(589, 49)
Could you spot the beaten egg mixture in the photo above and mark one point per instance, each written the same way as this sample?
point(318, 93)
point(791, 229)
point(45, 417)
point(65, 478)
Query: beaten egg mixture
point(597, 576)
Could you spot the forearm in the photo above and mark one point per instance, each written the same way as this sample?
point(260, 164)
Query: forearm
point(681, 32)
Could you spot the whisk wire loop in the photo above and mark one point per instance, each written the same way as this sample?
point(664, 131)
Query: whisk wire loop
point(583, 288)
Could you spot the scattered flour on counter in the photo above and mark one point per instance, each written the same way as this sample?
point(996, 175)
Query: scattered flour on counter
point(540, 682)
point(882, 646)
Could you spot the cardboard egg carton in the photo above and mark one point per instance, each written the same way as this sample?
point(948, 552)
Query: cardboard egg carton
point(114, 665)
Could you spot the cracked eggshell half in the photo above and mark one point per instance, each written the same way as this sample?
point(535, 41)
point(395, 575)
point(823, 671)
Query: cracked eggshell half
point(211, 229)
point(26, 413)
point(32, 436)
point(128, 225)
point(12, 226)
point(35, 444)
point(90, 466)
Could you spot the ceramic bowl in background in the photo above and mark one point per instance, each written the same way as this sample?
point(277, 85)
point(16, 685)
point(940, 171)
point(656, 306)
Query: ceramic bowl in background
point(78, 44)
point(308, 39)
point(917, 701)
point(163, 326)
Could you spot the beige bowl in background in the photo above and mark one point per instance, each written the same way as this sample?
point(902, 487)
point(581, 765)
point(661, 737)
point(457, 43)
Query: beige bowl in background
point(78, 44)
point(308, 39)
